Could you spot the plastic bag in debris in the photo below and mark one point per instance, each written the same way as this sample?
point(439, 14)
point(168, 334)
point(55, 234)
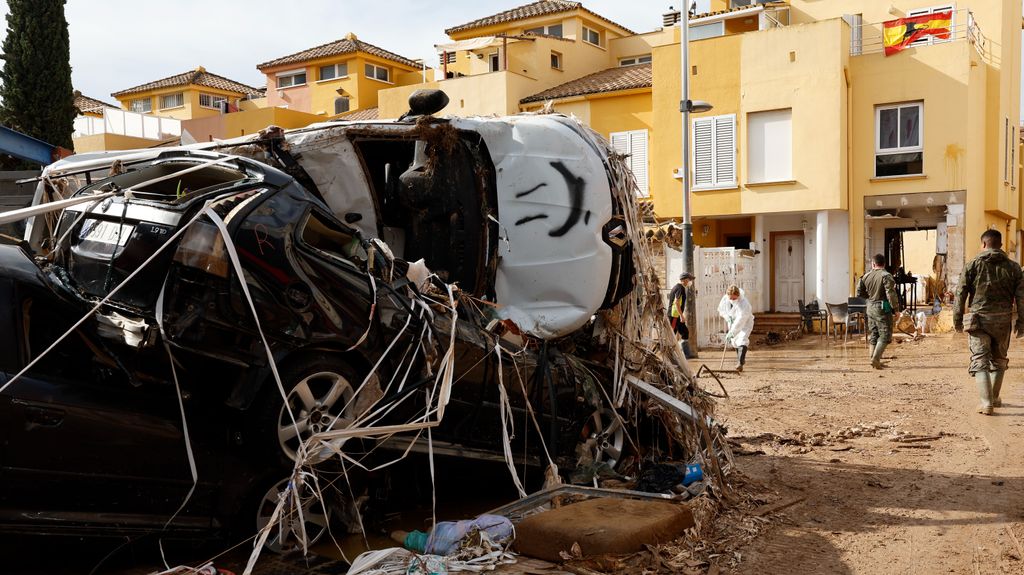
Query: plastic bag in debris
point(447, 536)
point(664, 476)
point(427, 565)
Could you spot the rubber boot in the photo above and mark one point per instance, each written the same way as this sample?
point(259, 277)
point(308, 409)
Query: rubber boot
point(876, 357)
point(997, 385)
point(741, 358)
point(686, 350)
point(984, 380)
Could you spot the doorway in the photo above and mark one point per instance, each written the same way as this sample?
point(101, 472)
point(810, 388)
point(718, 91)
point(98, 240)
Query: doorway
point(787, 271)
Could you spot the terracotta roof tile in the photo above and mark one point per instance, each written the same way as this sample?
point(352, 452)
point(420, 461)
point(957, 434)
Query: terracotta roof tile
point(198, 77)
point(85, 104)
point(347, 45)
point(532, 10)
point(363, 114)
point(610, 80)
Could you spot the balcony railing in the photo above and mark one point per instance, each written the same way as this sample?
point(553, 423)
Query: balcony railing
point(867, 38)
point(125, 123)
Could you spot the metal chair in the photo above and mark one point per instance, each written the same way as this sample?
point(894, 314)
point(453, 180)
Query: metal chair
point(811, 314)
point(838, 314)
point(857, 307)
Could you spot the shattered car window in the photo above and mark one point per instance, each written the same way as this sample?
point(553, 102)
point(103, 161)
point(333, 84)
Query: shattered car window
point(319, 233)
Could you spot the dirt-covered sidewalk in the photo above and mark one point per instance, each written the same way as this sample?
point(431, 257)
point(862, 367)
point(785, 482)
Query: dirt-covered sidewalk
point(891, 471)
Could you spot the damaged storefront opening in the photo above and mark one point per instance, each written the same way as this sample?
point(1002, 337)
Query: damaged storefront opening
point(319, 303)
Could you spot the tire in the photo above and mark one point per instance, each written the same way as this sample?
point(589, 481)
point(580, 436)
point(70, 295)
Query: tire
point(292, 526)
point(319, 390)
point(605, 436)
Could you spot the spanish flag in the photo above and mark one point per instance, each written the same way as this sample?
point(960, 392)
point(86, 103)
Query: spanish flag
point(898, 34)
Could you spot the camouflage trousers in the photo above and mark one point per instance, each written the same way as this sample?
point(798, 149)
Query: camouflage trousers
point(989, 340)
point(879, 324)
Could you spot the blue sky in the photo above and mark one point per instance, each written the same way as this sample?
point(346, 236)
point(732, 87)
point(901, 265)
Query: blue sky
point(117, 44)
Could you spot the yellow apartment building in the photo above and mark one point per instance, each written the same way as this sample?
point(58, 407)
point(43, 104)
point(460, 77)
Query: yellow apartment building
point(492, 63)
point(337, 78)
point(820, 150)
point(186, 96)
point(87, 106)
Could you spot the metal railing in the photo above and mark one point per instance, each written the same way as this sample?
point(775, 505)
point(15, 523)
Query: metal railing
point(867, 38)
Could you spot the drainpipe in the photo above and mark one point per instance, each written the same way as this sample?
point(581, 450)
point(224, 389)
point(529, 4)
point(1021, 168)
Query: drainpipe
point(687, 227)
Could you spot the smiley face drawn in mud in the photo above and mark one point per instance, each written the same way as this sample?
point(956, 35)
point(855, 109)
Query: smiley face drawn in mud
point(576, 186)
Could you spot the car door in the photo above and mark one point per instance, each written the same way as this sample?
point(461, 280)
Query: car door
point(84, 446)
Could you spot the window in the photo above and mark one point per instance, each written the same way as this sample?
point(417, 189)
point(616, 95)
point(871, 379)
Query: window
point(556, 60)
point(446, 58)
point(770, 146)
point(702, 31)
point(289, 79)
point(141, 105)
point(634, 145)
point(645, 59)
point(334, 71)
point(898, 150)
point(340, 105)
point(550, 30)
point(330, 237)
point(494, 62)
point(172, 101)
point(927, 40)
point(714, 152)
point(377, 73)
point(591, 36)
point(211, 101)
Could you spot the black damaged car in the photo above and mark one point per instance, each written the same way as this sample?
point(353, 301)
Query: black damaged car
point(95, 431)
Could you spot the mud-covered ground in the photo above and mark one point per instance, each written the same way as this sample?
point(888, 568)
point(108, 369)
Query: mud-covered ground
point(893, 471)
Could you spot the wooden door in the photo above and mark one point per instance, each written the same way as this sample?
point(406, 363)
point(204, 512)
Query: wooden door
point(788, 256)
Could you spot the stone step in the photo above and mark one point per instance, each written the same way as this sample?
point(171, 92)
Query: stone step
point(777, 322)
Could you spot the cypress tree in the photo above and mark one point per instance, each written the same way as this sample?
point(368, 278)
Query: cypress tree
point(37, 97)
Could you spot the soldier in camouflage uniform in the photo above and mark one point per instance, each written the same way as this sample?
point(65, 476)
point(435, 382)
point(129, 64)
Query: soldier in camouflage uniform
point(994, 283)
point(878, 287)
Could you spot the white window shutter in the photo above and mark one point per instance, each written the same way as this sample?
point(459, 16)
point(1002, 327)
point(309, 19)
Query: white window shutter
point(638, 159)
point(703, 157)
point(620, 142)
point(725, 149)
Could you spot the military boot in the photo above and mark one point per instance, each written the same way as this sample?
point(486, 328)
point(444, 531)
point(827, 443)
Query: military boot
point(876, 356)
point(984, 380)
point(997, 385)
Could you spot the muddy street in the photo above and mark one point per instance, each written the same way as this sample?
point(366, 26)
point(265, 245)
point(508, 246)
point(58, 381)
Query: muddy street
point(891, 471)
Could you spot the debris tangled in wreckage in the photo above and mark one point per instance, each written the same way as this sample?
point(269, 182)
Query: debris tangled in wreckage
point(632, 367)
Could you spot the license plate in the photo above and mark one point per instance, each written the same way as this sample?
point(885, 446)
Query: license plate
point(106, 232)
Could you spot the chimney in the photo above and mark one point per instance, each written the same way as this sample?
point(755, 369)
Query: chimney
point(670, 18)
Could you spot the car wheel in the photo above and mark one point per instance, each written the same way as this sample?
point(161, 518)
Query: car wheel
point(292, 526)
point(606, 436)
point(319, 398)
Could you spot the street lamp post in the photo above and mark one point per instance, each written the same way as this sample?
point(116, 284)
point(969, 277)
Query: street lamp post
point(687, 106)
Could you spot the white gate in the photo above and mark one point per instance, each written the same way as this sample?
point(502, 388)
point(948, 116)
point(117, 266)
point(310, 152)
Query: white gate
point(717, 269)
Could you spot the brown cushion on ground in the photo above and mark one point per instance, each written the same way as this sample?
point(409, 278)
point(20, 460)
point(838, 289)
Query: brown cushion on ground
point(601, 525)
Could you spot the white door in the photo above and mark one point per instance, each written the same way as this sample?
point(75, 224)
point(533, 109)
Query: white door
point(789, 272)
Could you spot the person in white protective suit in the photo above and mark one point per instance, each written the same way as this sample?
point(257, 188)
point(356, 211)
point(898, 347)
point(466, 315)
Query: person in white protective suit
point(739, 318)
